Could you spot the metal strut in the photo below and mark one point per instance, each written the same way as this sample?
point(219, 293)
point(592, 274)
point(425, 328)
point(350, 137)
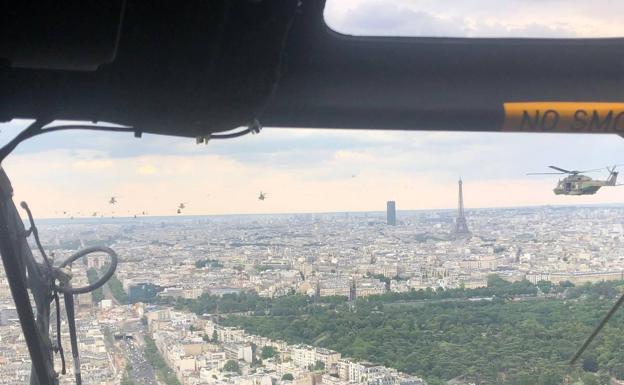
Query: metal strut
point(24, 272)
point(17, 260)
point(597, 330)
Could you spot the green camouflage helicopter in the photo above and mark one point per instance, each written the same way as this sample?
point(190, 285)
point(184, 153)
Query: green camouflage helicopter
point(577, 184)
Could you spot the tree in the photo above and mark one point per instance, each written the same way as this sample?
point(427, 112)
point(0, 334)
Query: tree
point(208, 262)
point(590, 364)
point(117, 290)
point(318, 365)
point(268, 352)
point(215, 336)
point(98, 294)
point(126, 380)
point(287, 377)
point(441, 340)
point(231, 366)
point(590, 379)
point(165, 374)
point(544, 286)
point(604, 378)
point(255, 361)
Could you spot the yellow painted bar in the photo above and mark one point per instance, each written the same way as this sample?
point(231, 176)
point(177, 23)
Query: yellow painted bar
point(564, 117)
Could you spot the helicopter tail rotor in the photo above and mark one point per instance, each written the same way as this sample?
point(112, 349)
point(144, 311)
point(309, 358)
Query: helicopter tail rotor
point(612, 180)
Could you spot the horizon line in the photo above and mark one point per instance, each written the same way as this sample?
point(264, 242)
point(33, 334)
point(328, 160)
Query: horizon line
point(562, 205)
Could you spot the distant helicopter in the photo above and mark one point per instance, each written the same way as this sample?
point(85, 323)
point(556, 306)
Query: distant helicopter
point(262, 196)
point(112, 200)
point(577, 184)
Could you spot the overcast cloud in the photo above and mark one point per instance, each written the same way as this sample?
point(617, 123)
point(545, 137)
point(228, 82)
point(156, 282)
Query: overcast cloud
point(477, 18)
point(302, 170)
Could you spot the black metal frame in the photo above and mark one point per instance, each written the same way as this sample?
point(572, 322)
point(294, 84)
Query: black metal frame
point(23, 272)
point(199, 67)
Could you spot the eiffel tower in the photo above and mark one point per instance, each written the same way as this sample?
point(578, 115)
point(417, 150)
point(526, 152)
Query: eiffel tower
point(461, 227)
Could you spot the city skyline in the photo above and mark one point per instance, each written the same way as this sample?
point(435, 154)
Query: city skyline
point(174, 272)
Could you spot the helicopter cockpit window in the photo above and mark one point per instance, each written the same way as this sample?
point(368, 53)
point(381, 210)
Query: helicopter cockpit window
point(477, 18)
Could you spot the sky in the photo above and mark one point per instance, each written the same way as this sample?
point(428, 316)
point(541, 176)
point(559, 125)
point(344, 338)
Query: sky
point(307, 170)
point(477, 18)
point(300, 170)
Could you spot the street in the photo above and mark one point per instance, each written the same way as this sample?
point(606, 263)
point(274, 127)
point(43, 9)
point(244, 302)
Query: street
point(141, 371)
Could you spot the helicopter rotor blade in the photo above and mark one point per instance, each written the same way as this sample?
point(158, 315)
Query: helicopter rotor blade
point(562, 170)
point(546, 173)
point(592, 170)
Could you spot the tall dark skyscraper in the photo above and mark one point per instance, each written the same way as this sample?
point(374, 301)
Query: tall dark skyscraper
point(391, 213)
point(461, 227)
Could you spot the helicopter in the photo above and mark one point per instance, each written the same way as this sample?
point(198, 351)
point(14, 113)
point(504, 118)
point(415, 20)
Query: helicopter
point(112, 200)
point(262, 196)
point(577, 184)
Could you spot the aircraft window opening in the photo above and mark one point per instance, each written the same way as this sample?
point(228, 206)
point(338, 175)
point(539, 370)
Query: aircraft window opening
point(271, 241)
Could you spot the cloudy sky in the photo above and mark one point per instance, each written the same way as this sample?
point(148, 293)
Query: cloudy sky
point(301, 170)
point(323, 170)
point(477, 18)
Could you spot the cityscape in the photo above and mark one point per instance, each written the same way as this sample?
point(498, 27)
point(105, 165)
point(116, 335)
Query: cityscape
point(134, 331)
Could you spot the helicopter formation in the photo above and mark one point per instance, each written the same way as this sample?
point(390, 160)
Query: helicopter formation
point(113, 200)
point(575, 183)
